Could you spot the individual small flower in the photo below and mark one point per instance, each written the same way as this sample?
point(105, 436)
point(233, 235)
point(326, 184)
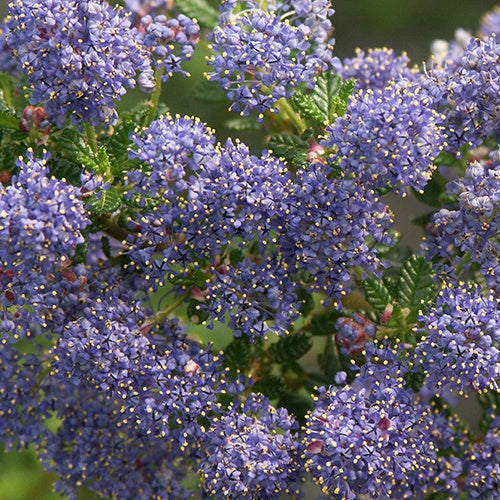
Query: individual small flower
point(79, 56)
point(370, 441)
point(376, 68)
point(469, 235)
point(352, 333)
point(490, 24)
point(388, 137)
point(465, 89)
point(459, 349)
point(251, 452)
point(170, 42)
point(260, 56)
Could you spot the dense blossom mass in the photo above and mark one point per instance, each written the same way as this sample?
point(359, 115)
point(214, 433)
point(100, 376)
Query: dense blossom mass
point(260, 56)
point(178, 308)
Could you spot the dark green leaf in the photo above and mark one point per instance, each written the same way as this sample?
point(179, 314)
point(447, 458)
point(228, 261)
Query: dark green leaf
point(8, 120)
point(297, 404)
point(323, 323)
point(209, 92)
point(80, 256)
point(307, 108)
point(202, 10)
point(391, 284)
point(290, 347)
point(329, 360)
point(118, 146)
point(237, 354)
point(377, 294)
point(306, 301)
point(236, 256)
point(73, 145)
point(415, 282)
point(105, 202)
point(272, 386)
point(291, 147)
point(65, 168)
point(196, 314)
point(433, 190)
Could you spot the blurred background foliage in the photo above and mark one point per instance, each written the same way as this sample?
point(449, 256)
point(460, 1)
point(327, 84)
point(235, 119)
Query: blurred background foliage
point(408, 26)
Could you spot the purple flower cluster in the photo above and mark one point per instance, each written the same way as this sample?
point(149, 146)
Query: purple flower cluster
point(170, 42)
point(251, 451)
point(388, 137)
point(371, 441)
point(490, 24)
point(460, 346)
point(79, 56)
point(352, 333)
point(260, 56)
point(41, 223)
point(376, 68)
point(330, 226)
point(466, 90)
point(469, 234)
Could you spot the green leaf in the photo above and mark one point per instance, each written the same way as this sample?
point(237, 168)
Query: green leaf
point(8, 120)
point(306, 107)
point(105, 202)
point(291, 147)
point(376, 294)
point(237, 354)
point(242, 123)
point(433, 191)
point(290, 347)
point(297, 404)
point(73, 145)
point(272, 386)
point(324, 322)
point(7, 87)
point(306, 301)
point(203, 11)
point(415, 282)
point(329, 360)
point(65, 168)
point(195, 313)
point(209, 92)
point(118, 146)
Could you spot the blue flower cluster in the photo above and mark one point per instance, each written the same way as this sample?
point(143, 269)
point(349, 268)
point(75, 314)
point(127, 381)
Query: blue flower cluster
point(490, 24)
point(389, 136)
point(465, 89)
point(371, 441)
point(79, 56)
point(251, 451)
point(41, 224)
point(260, 56)
point(170, 42)
point(376, 68)
point(469, 235)
point(459, 349)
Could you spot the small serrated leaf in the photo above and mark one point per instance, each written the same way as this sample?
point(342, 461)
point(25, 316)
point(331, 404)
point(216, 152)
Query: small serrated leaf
point(209, 92)
point(118, 146)
point(306, 107)
point(291, 147)
point(237, 354)
point(415, 282)
point(377, 294)
point(201, 10)
point(324, 322)
point(105, 201)
point(272, 386)
point(326, 89)
point(73, 145)
point(290, 347)
point(8, 120)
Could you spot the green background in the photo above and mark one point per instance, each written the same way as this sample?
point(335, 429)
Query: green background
point(403, 25)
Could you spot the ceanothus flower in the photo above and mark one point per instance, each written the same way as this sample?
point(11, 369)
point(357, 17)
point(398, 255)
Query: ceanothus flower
point(251, 451)
point(469, 235)
point(372, 441)
point(260, 56)
point(80, 56)
point(170, 42)
point(459, 349)
point(490, 24)
point(41, 224)
point(483, 465)
point(330, 226)
point(352, 333)
point(8, 63)
point(376, 68)
point(466, 90)
point(388, 137)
